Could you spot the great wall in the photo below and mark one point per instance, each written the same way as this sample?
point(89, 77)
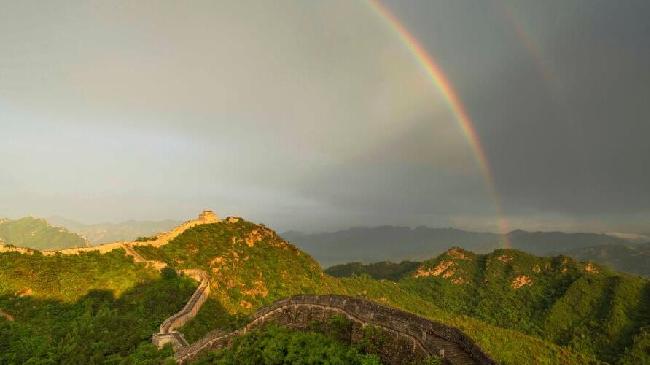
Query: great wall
point(167, 332)
point(205, 217)
point(406, 337)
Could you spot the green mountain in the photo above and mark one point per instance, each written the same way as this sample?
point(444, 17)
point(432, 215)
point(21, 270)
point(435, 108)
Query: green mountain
point(373, 244)
point(103, 308)
point(83, 309)
point(630, 258)
point(37, 234)
point(250, 266)
point(633, 259)
point(580, 305)
point(110, 232)
point(378, 270)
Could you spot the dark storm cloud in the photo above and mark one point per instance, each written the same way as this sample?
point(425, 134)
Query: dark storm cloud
point(566, 133)
point(314, 115)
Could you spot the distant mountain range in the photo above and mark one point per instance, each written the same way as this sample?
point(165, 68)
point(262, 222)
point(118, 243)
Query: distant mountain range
point(38, 234)
point(111, 232)
point(394, 243)
point(634, 259)
point(518, 308)
point(358, 244)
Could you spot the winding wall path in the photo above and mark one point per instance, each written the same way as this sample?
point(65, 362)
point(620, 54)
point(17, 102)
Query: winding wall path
point(167, 332)
point(408, 337)
point(206, 217)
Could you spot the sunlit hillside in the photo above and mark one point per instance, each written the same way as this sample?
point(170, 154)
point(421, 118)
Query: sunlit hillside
point(37, 234)
point(519, 308)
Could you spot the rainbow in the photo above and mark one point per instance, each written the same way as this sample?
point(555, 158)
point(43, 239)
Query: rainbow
point(461, 115)
point(534, 51)
point(532, 47)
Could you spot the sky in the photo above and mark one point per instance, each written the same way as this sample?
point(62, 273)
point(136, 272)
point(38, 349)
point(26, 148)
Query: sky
point(315, 115)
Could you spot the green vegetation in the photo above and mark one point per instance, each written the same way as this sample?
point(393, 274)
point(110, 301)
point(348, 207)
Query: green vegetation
point(37, 234)
point(253, 273)
point(68, 277)
point(585, 307)
point(249, 265)
point(582, 306)
point(278, 345)
point(638, 353)
point(87, 309)
point(519, 308)
point(111, 232)
point(373, 244)
point(378, 270)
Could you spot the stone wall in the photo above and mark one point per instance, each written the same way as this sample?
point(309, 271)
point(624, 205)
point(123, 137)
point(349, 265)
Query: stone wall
point(406, 336)
point(167, 333)
point(192, 306)
point(11, 248)
point(205, 217)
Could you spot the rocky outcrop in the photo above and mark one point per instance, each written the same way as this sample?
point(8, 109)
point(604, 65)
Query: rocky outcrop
point(6, 316)
point(406, 337)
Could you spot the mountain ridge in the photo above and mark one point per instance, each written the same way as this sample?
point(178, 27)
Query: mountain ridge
point(106, 232)
point(396, 243)
point(37, 233)
point(498, 299)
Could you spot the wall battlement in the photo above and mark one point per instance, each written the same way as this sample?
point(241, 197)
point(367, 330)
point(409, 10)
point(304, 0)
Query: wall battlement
point(205, 217)
point(408, 337)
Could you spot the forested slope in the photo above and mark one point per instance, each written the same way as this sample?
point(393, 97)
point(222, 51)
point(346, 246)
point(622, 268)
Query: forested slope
point(84, 309)
point(519, 308)
point(37, 234)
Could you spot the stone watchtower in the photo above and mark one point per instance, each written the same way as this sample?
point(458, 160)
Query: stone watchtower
point(208, 216)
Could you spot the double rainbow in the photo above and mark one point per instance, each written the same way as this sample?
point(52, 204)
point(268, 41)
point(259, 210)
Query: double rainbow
point(461, 115)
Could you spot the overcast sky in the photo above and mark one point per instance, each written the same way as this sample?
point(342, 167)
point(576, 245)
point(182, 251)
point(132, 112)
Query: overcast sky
point(315, 116)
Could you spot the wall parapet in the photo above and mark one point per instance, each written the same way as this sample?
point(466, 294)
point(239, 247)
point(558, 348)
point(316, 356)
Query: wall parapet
point(205, 217)
point(411, 337)
point(192, 306)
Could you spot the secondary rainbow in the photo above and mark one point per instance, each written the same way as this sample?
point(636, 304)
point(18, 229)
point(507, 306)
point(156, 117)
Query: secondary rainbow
point(441, 82)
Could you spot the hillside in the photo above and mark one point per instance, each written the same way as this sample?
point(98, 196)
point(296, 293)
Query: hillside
point(37, 234)
point(634, 259)
point(631, 259)
point(580, 305)
point(377, 270)
point(373, 244)
point(83, 309)
point(111, 232)
point(387, 243)
point(249, 266)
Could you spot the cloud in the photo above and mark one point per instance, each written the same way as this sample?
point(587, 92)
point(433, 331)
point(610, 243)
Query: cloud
point(314, 114)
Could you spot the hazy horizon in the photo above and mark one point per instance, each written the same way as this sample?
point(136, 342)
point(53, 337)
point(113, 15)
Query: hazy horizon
point(54, 219)
point(316, 116)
